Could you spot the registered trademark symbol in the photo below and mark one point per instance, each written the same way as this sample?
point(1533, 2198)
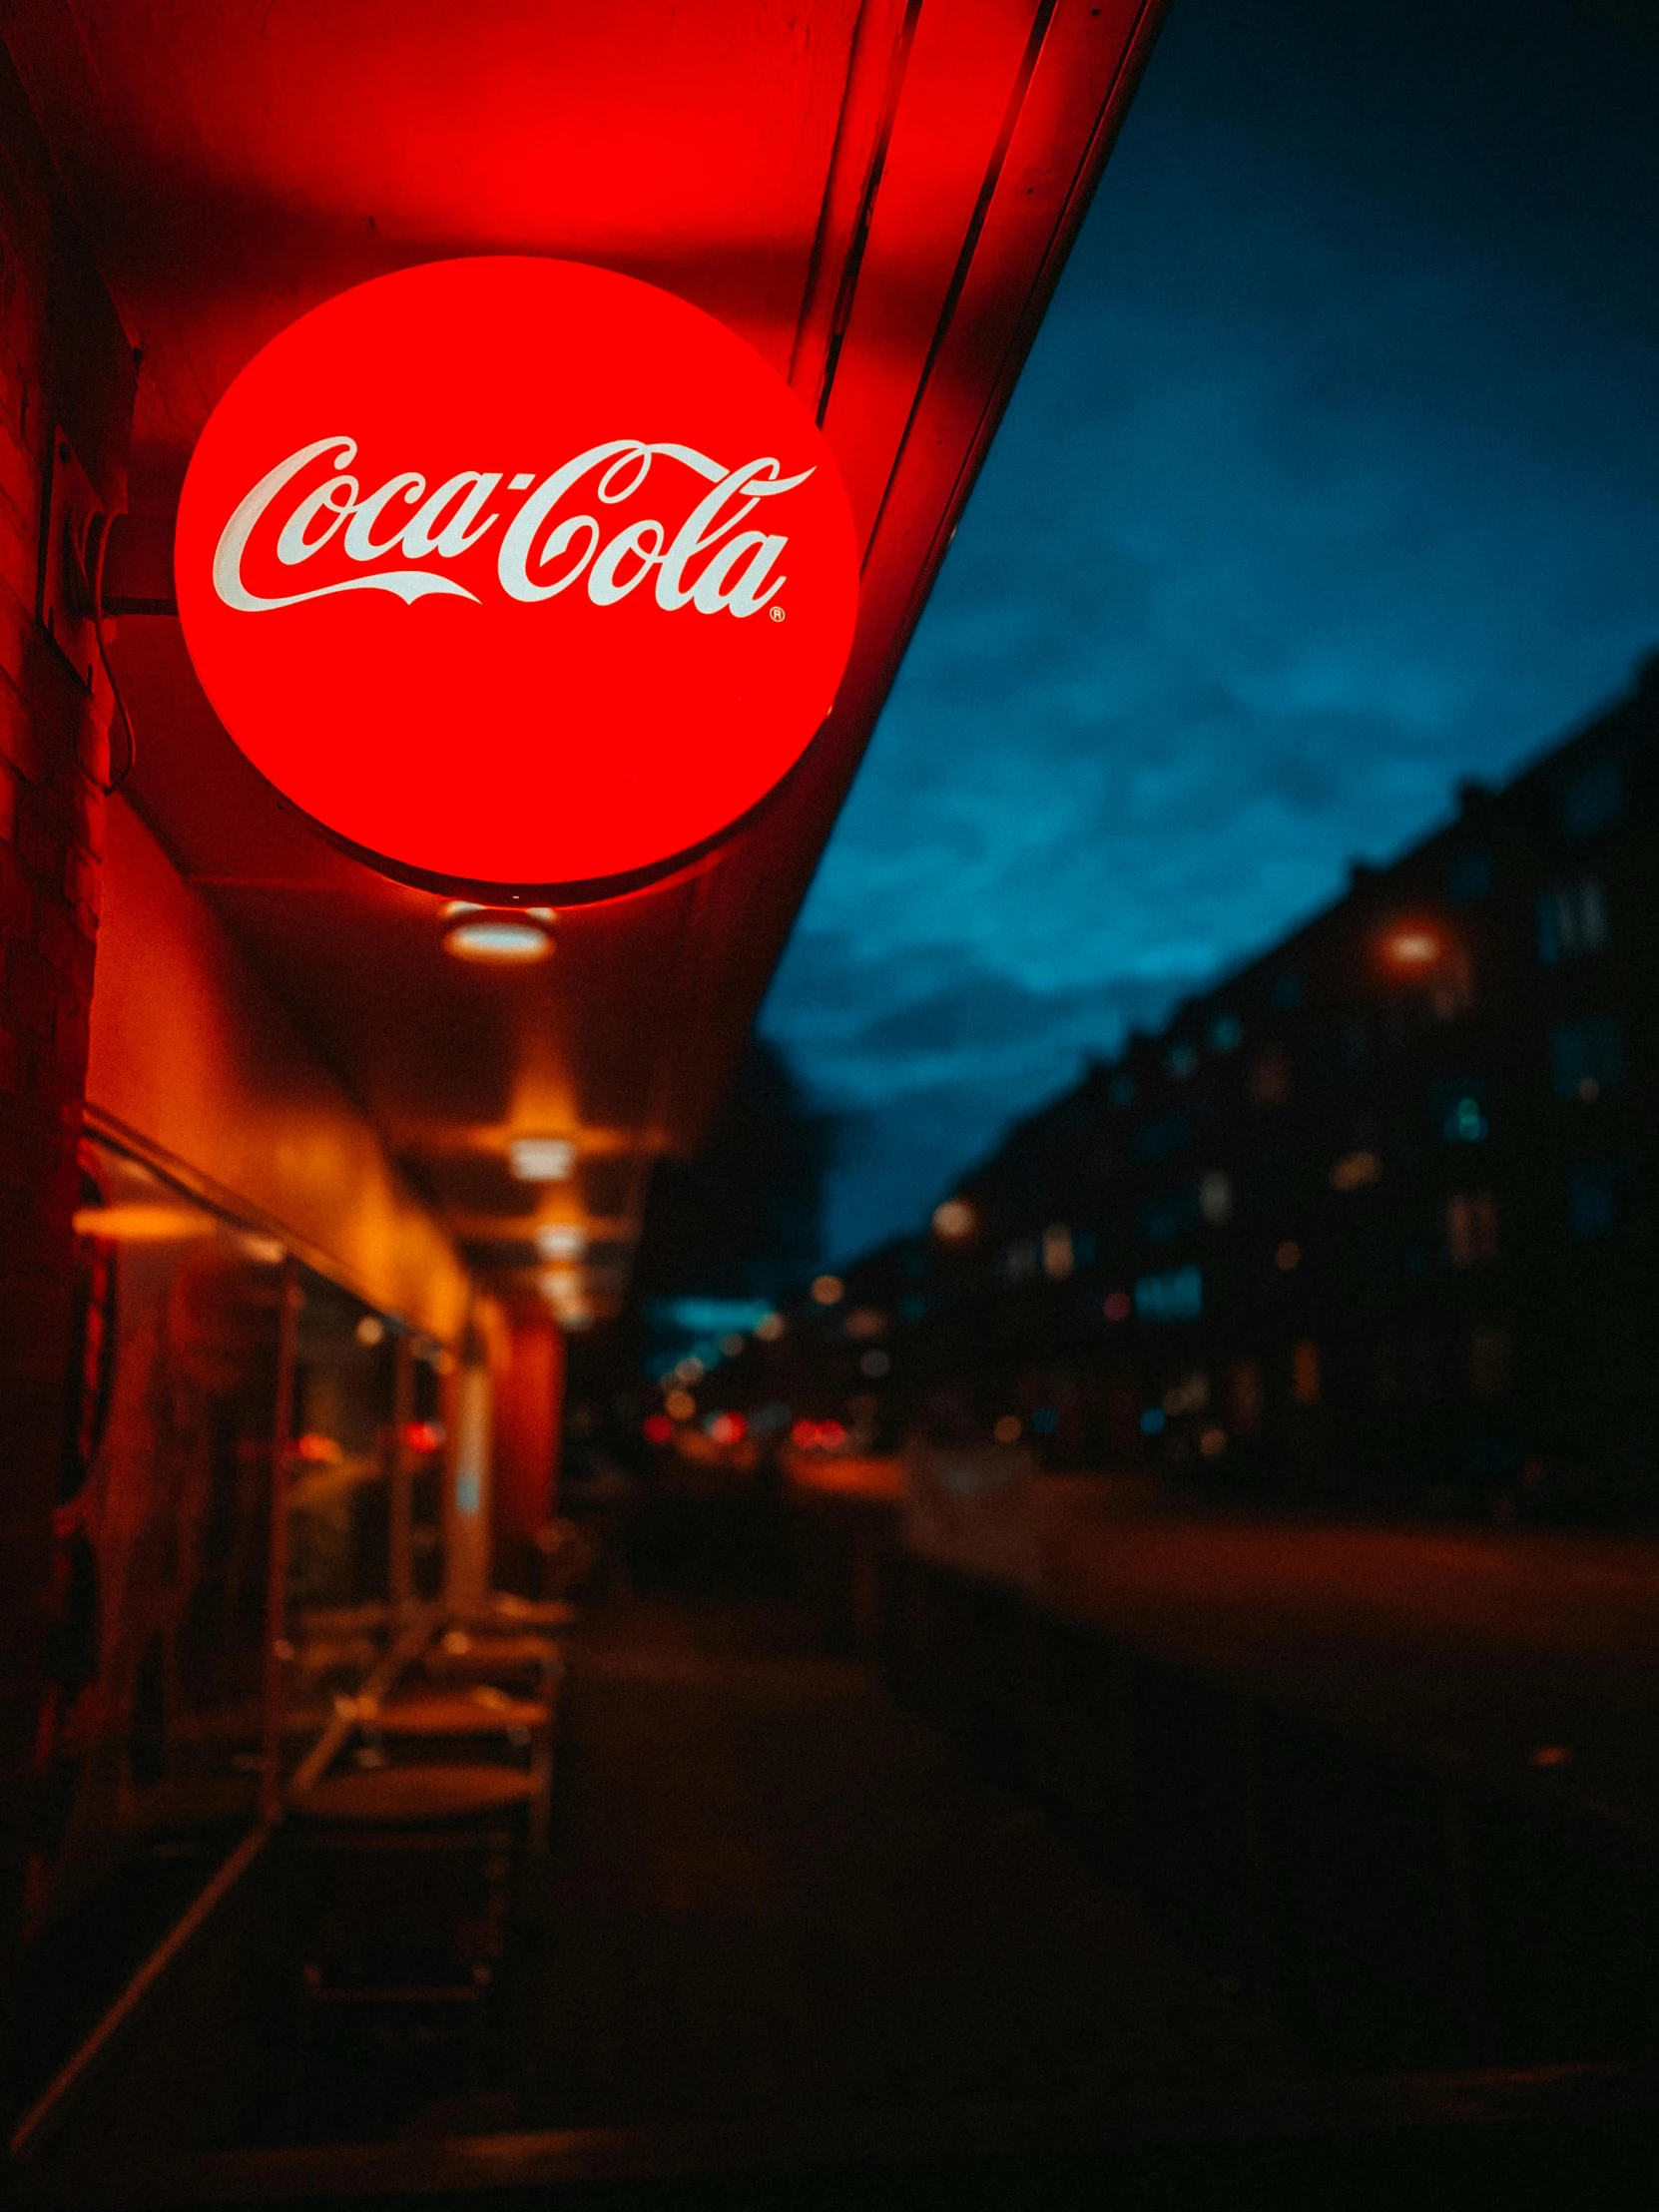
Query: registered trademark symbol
point(777, 613)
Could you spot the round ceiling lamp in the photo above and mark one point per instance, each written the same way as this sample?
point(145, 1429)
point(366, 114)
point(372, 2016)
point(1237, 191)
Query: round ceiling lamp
point(498, 940)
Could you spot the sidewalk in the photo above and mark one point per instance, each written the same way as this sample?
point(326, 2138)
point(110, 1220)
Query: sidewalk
point(772, 1893)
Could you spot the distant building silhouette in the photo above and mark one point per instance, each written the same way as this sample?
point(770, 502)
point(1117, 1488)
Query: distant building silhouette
point(1371, 1222)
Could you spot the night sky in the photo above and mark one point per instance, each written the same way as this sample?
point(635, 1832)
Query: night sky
point(1334, 476)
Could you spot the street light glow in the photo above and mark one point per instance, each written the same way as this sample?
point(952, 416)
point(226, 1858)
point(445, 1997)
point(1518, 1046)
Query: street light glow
point(1412, 946)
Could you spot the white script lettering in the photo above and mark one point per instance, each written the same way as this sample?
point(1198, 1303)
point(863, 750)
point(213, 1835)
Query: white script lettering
point(542, 553)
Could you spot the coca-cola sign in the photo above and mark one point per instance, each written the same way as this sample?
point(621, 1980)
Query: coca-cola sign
point(515, 575)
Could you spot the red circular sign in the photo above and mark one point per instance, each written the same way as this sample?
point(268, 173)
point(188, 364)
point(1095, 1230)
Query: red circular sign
point(516, 575)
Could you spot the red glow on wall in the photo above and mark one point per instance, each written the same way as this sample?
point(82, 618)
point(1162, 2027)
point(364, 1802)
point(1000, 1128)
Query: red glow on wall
point(516, 575)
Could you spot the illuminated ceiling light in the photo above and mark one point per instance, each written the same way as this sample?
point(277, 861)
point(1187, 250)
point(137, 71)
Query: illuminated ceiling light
point(561, 1283)
point(372, 1330)
point(954, 1220)
point(828, 1289)
point(769, 1328)
point(562, 1240)
point(541, 1159)
point(501, 940)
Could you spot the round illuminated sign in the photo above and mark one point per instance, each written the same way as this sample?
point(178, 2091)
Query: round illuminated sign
point(516, 575)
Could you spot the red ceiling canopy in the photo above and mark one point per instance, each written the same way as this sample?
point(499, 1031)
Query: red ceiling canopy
point(874, 196)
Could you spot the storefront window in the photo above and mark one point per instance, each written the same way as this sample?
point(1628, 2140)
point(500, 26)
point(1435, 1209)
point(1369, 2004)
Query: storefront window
point(161, 1731)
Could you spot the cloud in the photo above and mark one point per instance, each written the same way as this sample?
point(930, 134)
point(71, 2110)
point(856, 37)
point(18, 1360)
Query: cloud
point(1334, 477)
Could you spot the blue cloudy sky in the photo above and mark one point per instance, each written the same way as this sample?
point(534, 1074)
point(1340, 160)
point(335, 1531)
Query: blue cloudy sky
point(1334, 476)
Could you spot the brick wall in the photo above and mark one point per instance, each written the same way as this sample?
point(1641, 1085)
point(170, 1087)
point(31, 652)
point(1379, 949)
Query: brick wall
point(65, 365)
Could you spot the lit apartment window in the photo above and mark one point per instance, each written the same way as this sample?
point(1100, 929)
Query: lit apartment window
point(1190, 1396)
point(1587, 1057)
point(1593, 799)
point(1175, 1294)
point(1305, 1372)
point(1459, 1111)
point(1470, 1227)
point(1489, 1360)
point(1059, 1252)
point(1214, 1197)
point(1572, 919)
point(1592, 1199)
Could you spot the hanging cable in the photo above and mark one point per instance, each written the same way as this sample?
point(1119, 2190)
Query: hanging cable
point(92, 576)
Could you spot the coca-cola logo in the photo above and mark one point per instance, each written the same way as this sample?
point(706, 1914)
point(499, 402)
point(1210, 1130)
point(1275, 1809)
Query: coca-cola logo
point(516, 575)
